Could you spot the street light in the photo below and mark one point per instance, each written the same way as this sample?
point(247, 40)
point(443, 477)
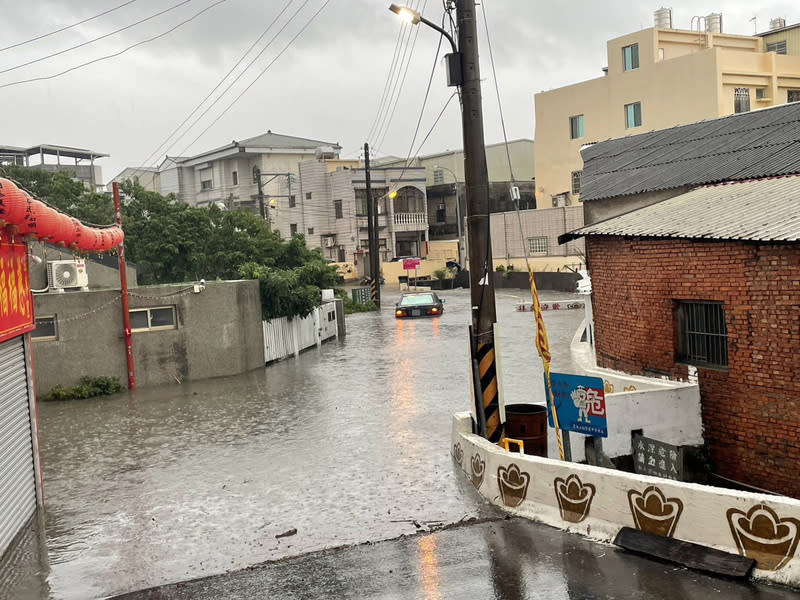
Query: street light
point(455, 72)
point(458, 209)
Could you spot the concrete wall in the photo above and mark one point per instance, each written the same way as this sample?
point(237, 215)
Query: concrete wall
point(218, 333)
point(507, 231)
point(749, 408)
point(597, 502)
point(103, 271)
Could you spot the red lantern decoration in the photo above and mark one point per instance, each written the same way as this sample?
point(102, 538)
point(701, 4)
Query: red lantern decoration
point(12, 204)
point(47, 223)
point(116, 235)
point(77, 233)
point(65, 231)
point(29, 227)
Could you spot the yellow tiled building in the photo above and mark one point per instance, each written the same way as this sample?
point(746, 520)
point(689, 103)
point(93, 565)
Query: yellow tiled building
point(658, 78)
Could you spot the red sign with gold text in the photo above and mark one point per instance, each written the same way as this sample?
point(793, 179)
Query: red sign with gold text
point(16, 302)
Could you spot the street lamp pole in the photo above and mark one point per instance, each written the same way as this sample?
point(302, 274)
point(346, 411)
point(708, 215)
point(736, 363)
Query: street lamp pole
point(458, 210)
point(464, 71)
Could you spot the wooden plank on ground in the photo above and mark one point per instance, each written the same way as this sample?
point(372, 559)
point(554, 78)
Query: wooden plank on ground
point(683, 553)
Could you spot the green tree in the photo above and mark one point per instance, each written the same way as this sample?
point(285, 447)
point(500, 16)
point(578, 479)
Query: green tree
point(61, 191)
point(164, 238)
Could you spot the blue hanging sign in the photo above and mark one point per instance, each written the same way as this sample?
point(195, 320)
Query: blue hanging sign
point(580, 404)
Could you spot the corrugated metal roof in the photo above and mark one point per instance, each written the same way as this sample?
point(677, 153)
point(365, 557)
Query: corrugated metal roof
point(766, 210)
point(761, 143)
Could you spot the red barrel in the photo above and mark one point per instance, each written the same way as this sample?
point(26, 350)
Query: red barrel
point(528, 422)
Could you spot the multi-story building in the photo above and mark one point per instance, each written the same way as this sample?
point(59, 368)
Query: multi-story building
point(656, 78)
point(445, 188)
point(248, 174)
point(782, 39)
point(330, 208)
point(50, 158)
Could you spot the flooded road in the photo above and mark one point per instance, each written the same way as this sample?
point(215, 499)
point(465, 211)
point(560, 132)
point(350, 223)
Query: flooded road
point(346, 444)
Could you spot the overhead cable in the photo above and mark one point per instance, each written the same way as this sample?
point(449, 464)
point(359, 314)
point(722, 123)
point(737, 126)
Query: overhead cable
point(44, 35)
point(211, 93)
point(264, 70)
point(97, 39)
point(121, 52)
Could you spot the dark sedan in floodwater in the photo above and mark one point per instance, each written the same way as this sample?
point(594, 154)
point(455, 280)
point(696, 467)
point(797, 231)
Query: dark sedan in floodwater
point(419, 304)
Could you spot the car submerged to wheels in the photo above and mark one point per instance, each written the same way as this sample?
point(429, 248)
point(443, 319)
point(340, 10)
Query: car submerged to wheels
point(419, 304)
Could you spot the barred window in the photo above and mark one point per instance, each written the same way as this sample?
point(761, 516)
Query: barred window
point(741, 100)
point(537, 246)
point(702, 334)
point(576, 182)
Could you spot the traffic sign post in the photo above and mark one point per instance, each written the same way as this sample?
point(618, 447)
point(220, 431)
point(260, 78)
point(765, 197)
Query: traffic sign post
point(580, 404)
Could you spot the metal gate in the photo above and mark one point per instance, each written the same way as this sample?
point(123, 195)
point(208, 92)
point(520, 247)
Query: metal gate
point(17, 475)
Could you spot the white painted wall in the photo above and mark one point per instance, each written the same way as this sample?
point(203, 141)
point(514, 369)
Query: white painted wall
point(712, 517)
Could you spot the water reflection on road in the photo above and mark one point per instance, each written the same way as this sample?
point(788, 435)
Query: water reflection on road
point(346, 444)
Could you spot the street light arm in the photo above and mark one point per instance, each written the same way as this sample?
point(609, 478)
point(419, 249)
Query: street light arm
point(442, 31)
point(414, 18)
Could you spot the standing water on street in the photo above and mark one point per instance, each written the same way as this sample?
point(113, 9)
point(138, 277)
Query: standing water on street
point(343, 445)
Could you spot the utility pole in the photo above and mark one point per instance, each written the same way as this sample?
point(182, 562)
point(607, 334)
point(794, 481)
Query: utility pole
point(372, 225)
point(123, 283)
point(476, 178)
point(260, 194)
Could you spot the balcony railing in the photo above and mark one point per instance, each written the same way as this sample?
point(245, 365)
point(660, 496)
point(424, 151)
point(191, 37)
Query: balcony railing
point(420, 218)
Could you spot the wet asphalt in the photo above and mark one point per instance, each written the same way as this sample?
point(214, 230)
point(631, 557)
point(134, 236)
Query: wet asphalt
point(339, 457)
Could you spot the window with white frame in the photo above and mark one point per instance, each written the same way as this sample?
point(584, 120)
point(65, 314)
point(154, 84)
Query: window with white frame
point(537, 246)
point(153, 319)
point(438, 176)
point(576, 127)
point(206, 179)
point(633, 115)
point(630, 57)
point(46, 329)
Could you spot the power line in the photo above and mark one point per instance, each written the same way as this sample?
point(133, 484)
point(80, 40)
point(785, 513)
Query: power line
point(121, 52)
point(403, 35)
point(44, 35)
point(390, 115)
point(427, 92)
point(97, 39)
point(397, 45)
point(497, 91)
point(314, 16)
point(232, 83)
point(228, 74)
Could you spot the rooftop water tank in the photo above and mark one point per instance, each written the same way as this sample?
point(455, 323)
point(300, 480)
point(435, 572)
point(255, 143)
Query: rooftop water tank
point(663, 18)
point(714, 23)
point(777, 23)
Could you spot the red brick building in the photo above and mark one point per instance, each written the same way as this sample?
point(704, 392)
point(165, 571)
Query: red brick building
point(705, 284)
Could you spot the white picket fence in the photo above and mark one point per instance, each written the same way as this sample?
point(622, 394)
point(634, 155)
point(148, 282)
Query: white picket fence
point(283, 337)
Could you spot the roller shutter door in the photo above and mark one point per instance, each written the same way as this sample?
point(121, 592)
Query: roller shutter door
point(17, 476)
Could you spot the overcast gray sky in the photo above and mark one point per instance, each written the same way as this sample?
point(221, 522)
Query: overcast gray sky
point(328, 84)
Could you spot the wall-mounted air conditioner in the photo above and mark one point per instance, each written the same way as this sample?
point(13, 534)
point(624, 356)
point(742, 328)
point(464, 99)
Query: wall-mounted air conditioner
point(66, 274)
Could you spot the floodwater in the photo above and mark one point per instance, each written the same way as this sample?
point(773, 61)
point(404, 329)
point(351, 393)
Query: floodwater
point(345, 444)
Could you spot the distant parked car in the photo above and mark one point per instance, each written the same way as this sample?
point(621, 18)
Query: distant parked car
point(419, 304)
